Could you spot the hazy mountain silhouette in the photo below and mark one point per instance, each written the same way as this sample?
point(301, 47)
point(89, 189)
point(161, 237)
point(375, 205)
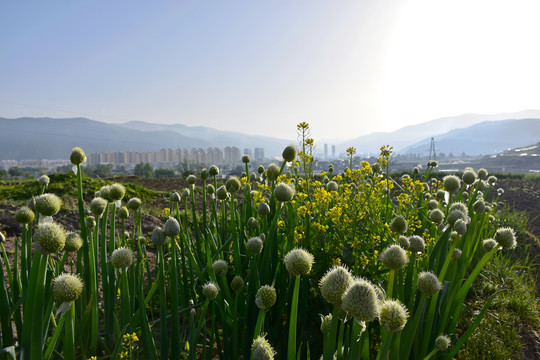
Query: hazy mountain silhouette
point(218, 138)
point(48, 138)
point(409, 135)
point(488, 137)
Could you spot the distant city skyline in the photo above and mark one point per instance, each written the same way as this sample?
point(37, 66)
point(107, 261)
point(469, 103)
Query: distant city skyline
point(348, 68)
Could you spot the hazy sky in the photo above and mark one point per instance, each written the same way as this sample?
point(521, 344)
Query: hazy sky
point(348, 67)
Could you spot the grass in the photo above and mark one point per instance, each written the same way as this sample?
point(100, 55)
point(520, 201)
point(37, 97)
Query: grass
point(514, 312)
point(65, 186)
point(498, 336)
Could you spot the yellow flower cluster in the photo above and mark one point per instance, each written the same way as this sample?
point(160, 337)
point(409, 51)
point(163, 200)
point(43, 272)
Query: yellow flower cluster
point(128, 345)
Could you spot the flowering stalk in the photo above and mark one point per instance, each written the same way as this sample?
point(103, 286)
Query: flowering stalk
point(69, 333)
point(175, 327)
point(330, 338)
point(164, 347)
point(5, 321)
point(291, 350)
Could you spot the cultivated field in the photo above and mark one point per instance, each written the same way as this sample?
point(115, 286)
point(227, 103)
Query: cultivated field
point(277, 264)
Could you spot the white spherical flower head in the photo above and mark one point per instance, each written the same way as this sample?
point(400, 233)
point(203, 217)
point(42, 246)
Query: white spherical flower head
point(263, 209)
point(77, 156)
point(290, 152)
point(123, 212)
point(455, 215)
point(469, 177)
point(43, 180)
point(334, 284)
point(222, 193)
point(442, 342)
point(399, 224)
point(90, 222)
point(158, 236)
point(51, 237)
point(254, 245)
point(98, 206)
point(73, 242)
point(210, 291)
point(134, 204)
point(233, 184)
point(284, 192)
point(261, 349)
point(237, 283)
point(272, 172)
point(404, 242)
point(394, 257)
point(117, 192)
point(332, 186)
point(360, 301)
point(122, 258)
point(451, 183)
point(48, 204)
point(104, 193)
point(460, 226)
point(436, 215)
point(489, 244)
point(428, 283)
point(506, 238)
point(172, 227)
point(393, 315)
point(24, 215)
point(191, 179)
point(298, 262)
point(220, 267)
point(265, 297)
point(67, 287)
point(416, 244)
point(483, 174)
point(213, 170)
point(175, 197)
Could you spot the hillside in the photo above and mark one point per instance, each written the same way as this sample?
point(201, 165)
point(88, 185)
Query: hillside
point(409, 135)
point(218, 138)
point(49, 138)
point(488, 137)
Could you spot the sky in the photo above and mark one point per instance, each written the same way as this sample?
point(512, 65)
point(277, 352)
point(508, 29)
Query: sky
point(347, 67)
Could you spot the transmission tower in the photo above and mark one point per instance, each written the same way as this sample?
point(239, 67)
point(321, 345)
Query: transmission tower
point(432, 153)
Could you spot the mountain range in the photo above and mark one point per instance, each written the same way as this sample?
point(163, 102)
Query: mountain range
point(403, 138)
point(50, 138)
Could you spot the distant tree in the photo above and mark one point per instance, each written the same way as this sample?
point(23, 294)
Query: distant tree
point(120, 170)
point(15, 171)
point(29, 175)
point(67, 168)
point(144, 170)
point(164, 173)
point(237, 170)
point(103, 170)
point(3, 174)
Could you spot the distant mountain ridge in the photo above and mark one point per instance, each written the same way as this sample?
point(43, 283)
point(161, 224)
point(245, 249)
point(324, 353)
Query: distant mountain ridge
point(50, 138)
point(218, 138)
point(488, 137)
point(408, 135)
